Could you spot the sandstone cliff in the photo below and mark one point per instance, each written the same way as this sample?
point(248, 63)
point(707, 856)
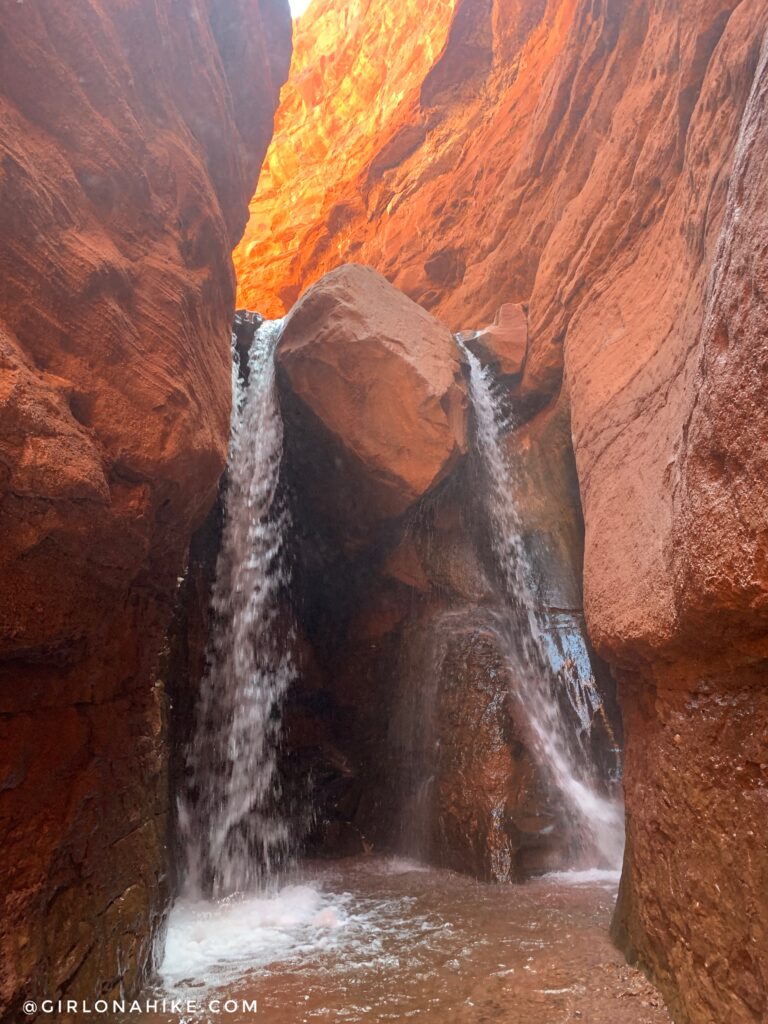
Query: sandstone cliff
point(342, 115)
point(603, 164)
point(131, 136)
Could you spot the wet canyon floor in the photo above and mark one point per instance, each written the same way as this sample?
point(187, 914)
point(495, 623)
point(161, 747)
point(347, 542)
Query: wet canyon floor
point(373, 939)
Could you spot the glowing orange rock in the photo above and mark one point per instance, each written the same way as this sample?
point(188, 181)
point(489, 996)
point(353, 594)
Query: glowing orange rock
point(342, 114)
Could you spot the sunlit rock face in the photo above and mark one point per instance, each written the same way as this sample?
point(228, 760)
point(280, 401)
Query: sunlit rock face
point(603, 164)
point(398, 124)
point(349, 112)
point(131, 136)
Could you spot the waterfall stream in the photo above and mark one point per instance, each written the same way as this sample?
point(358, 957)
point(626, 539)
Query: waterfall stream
point(232, 819)
point(328, 941)
point(562, 750)
point(229, 816)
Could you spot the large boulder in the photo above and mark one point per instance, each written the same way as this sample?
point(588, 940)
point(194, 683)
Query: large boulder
point(373, 386)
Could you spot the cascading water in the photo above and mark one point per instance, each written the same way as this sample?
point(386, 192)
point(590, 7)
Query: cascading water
point(229, 817)
point(329, 944)
point(563, 751)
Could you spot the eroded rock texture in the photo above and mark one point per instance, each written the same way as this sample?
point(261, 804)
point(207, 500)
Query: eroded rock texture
point(131, 136)
point(342, 114)
point(694, 894)
point(604, 164)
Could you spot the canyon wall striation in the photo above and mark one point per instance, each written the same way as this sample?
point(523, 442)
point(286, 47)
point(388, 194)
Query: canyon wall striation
point(131, 135)
point(603, 164)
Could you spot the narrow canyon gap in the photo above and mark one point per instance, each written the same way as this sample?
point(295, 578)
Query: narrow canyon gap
point(489, 558)
point(398, 681)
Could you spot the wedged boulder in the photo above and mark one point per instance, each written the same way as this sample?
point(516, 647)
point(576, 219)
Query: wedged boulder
point(503, 343)
point(373, 394)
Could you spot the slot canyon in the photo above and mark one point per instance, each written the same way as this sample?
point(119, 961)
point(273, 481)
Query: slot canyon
point(383, 494)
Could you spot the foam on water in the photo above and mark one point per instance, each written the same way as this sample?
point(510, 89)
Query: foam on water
point(377, 939)
point(211, 942)
point(208, 941)
point(590, 876)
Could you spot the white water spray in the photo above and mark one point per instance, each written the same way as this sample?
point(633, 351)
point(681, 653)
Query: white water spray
point(229, 818)
point(526, 644)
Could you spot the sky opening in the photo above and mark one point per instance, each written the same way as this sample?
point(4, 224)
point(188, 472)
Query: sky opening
point(298, 7)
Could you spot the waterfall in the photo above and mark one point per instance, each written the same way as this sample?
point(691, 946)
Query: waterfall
point(229, 817)
point(562, 750)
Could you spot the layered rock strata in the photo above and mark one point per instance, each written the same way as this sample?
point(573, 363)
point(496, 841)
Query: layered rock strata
point(131, 137)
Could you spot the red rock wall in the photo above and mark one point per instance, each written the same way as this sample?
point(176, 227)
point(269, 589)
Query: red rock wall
point(694, 896)
point(605, 164)
point(130, 137)
point(342, 115)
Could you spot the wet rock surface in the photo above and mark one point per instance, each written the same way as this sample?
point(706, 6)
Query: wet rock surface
point(498, 815)
point(502, 344)
point(405, 715)
point(698, 737)
point(131, 140)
